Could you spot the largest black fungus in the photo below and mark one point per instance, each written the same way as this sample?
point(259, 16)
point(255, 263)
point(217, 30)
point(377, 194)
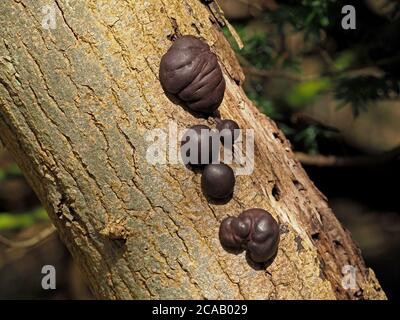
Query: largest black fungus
point(190, 71)
point(255, 230)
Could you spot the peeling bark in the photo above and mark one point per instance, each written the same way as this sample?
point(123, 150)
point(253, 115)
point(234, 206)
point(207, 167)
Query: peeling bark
point(75, 103)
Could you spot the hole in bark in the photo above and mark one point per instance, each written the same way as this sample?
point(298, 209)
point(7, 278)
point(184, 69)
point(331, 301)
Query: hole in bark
point(171, 37)
point(188, 8)
point(283, 229)
point(299, 186)
point(321, 270)
point(194, 26)
point(337, 243)
point(176, 32)
point(276, 192)
point(61, 204)
point(278, 136)
point(358, 293)
point(298, 241)
point(315, 236)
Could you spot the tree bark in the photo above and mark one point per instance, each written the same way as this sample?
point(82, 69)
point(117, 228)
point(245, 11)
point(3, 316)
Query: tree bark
point(75, 104)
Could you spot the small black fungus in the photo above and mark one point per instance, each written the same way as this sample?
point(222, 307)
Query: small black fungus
point(218, 181)
point(228, 129)
point(198, 147)
point(255, 230)
point(191, 72)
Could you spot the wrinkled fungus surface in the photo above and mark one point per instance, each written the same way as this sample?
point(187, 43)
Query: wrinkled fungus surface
point(255, 230)
point(191, 72)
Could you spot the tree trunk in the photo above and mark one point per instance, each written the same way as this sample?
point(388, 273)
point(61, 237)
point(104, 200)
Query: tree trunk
point(75, 104)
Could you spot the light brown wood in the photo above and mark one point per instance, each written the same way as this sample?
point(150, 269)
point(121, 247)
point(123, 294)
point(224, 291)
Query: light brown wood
point(75, 104)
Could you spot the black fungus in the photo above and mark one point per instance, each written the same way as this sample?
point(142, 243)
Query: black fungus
point(191, 72)
point(255, 230)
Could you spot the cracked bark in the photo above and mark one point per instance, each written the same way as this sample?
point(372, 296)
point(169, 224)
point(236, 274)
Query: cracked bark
point(75, 103)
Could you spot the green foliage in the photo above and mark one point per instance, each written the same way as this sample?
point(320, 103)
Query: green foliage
point(344, 61)
point(308, 15)
point(306, 92)
point(258, 51)
point(265, 105)
point(307, 138)
point(12, 221)
point(346, 54)
point(14, 170)
point(361, 91)
point(11, 170)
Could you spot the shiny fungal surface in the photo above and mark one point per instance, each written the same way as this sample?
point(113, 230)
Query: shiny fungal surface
point(191, 72)
point(254, 230)
point(218, 181)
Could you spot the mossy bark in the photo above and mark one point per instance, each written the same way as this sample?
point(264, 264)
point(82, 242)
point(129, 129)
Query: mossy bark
point(75, 104)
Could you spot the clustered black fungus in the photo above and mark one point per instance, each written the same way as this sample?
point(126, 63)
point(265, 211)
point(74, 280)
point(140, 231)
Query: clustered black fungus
point(218, 181)
point(198, 147)
point(191, 72)
point(255, 230)
point(229, 130)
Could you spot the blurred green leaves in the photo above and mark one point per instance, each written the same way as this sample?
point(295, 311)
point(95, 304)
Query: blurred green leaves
point(308, 15)
point(10, 170)
point(257, 51)
point(359, 68)
point(13, 221)
point(16, 221)
point(306, 92)
point(344, 61)
point(361, 91)
point(308, 138)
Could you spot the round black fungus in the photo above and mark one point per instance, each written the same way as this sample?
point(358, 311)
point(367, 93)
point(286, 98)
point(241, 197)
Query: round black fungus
point(218, 181)
point(228, 129)
point(199, 146)
point(191, 72)
point(255, 230)
point(227, 236)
